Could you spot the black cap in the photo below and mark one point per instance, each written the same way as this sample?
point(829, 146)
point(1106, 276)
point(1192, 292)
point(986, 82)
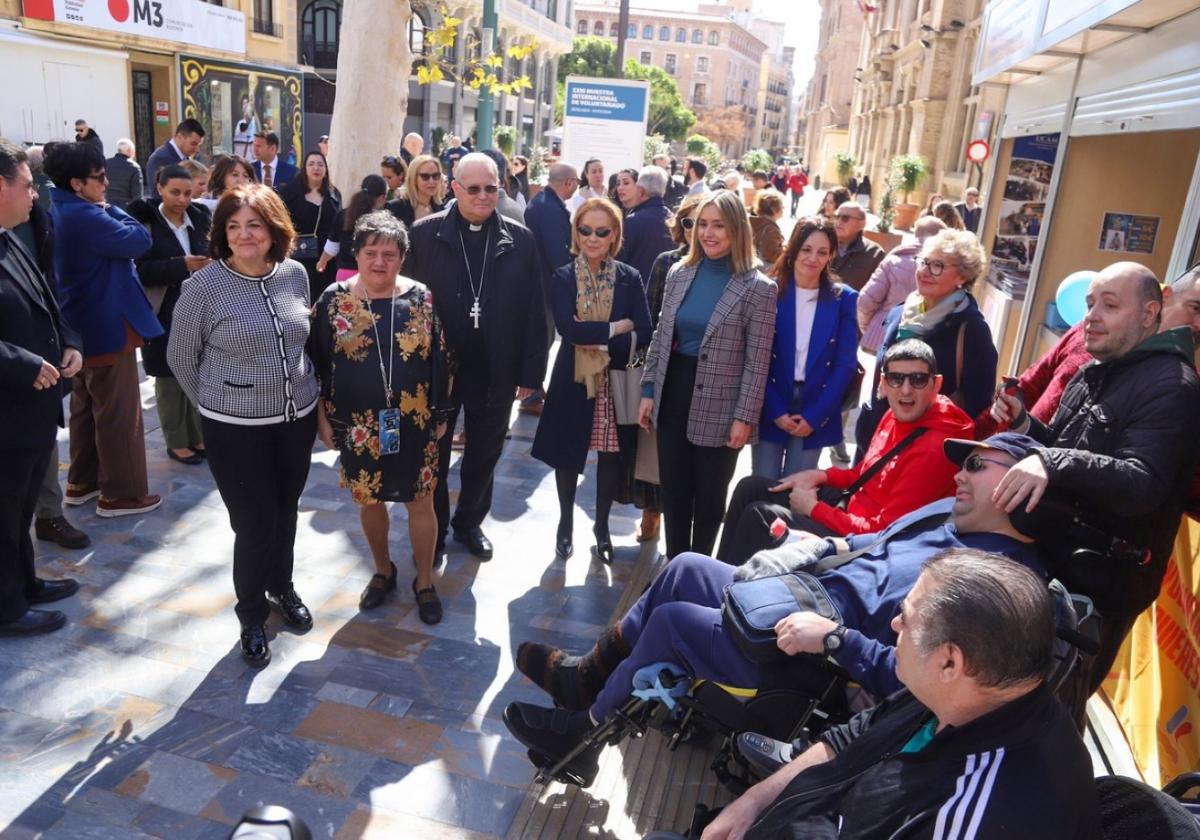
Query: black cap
point(1010, 443)
point(374, 185)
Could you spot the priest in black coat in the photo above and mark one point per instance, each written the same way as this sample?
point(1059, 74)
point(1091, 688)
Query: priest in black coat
point(484, 273)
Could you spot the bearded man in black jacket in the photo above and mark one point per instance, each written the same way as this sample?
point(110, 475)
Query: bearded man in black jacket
point(1122, 445)
point(977, 746)
point(484, 272)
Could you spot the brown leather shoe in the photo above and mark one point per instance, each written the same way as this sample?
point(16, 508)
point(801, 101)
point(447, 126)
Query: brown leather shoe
point(108, 508)
point(533, 408)
point(59, 530)
point(79, 495)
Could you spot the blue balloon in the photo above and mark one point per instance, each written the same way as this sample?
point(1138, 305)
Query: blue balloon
point(1071, 299)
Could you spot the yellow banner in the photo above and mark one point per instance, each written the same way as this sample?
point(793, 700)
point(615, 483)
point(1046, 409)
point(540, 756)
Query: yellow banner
point(1155, 683)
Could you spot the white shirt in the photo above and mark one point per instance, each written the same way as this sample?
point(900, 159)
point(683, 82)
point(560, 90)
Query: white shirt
point(806, 311)
point(181, 232)
point(581, 195)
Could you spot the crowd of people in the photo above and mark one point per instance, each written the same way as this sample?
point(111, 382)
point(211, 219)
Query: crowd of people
point(274, 311)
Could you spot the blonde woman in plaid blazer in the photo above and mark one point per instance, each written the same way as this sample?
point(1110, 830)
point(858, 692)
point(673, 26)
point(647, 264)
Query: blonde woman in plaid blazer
point(706, 370)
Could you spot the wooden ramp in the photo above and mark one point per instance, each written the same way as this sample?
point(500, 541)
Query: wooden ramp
point(642, 785)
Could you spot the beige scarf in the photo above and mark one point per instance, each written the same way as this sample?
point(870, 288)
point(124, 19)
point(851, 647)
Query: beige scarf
point(593, 302)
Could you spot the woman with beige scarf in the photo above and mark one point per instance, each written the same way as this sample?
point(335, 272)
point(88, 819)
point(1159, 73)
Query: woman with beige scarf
point(600, 311)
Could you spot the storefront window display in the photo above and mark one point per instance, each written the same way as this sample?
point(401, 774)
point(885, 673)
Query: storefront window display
point(234, 101)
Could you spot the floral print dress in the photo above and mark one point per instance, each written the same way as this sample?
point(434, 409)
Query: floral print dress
point(348, 364)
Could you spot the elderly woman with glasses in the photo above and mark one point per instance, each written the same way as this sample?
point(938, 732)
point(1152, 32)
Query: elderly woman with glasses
point(600, 310)
point(380, 355)
point(942, 313)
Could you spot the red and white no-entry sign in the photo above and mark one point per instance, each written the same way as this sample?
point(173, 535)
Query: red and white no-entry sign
point(978, 151)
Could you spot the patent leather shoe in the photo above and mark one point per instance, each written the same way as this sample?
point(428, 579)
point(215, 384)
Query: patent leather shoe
point(54, 590)
point(294, 613)
point(33, 622)
point(255, 649)
point(475, 541)
point(563, 548)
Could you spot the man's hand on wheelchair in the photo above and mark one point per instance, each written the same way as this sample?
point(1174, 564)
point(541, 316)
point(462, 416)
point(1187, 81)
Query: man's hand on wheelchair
point(802, 632)
point(734, 819)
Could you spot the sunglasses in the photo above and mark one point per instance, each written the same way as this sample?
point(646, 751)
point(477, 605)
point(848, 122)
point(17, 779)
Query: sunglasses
point(919, 381)
point(101, 177)
point(436, 176)
point(846, 217)
point(975, 463)
point(934, 267)
point(475, 189)
point(688, 223)
point(599, 233)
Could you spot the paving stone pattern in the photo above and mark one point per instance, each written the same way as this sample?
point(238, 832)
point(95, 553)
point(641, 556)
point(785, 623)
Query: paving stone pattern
point(139, 719)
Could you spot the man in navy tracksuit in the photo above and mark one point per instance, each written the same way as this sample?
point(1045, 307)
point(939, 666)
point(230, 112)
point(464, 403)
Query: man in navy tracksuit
point(678, 619)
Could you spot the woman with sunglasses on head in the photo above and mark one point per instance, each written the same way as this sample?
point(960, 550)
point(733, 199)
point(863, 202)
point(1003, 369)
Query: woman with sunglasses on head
point(424, 191)
point(813, 357)
point(312, 203)
point(706, 370)
point(600, 310)
point(943, 314)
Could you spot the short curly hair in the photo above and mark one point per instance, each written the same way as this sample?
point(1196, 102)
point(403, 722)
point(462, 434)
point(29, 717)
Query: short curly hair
point(380, 226)
point(963, 245)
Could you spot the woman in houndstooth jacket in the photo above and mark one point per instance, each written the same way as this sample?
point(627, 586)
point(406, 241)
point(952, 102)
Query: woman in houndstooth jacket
point(706, 370)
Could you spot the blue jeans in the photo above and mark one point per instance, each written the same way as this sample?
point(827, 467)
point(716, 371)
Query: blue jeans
point(773, 460)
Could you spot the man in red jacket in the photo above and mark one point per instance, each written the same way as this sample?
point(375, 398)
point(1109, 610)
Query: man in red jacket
point(904, 468)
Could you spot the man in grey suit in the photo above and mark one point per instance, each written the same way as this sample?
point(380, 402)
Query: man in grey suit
point(124, 175)
point(189, 134)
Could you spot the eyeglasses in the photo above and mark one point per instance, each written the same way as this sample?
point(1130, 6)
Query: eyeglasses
point(846, 217)
point(102, 177)
point(432, 176)
point(475, 189)
point(934, 267)
point(599, 233)
point(975, 463)
point(687, 222)
point(919, 381)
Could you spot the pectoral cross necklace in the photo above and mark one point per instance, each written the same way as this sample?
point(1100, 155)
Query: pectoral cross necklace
point(476, 310)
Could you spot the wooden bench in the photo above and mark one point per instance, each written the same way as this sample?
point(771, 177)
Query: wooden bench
point(642, 785)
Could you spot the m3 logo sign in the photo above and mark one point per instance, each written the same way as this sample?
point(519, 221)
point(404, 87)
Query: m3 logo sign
point(144, 11)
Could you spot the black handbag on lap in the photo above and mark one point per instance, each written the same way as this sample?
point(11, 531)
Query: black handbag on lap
point(752, 608)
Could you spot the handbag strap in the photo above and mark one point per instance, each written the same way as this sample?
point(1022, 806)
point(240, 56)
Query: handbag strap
point(839, 560)
point(320, 210)
point(873, 470)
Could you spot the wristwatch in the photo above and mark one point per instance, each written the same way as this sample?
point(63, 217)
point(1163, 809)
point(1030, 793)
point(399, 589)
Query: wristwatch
point(834, 640)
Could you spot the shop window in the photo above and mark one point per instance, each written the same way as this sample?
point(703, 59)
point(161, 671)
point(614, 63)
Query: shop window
point(264, 18)
point(697, 36)
point(319, 26)
point(648, 32)
point(714, 38)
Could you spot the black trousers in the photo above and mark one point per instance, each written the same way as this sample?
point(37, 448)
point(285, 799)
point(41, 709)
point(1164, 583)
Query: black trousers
point(260, 472)
point(485, 425)
point(21, 474)
point(694, 478)
point(753, 509)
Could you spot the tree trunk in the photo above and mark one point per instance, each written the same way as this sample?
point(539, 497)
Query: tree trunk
point(373, 70)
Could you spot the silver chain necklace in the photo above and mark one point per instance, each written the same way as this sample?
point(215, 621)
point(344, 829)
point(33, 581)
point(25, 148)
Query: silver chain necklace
point(476, 310)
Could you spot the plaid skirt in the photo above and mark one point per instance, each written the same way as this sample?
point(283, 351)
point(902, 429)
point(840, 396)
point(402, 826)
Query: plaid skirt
point(604, 421)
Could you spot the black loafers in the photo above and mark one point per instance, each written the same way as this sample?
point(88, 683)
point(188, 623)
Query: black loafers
point(255, 649)
point(429, 605)
point(377, 590)
point(54, 590)
point(475, 541)
point(33, 623)
point(190, 460)
point(294, 613)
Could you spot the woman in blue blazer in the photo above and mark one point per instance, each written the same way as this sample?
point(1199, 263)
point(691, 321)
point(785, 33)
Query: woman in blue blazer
point(600, 310)
point(813, 357)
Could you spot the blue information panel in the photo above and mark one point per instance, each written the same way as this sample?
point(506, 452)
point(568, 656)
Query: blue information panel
point(605, 119)
point(606, 100)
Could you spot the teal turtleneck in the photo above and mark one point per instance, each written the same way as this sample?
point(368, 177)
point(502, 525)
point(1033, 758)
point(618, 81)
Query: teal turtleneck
point(698, 304)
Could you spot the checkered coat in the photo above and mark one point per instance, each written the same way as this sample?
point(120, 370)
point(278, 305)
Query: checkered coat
point(735, 354)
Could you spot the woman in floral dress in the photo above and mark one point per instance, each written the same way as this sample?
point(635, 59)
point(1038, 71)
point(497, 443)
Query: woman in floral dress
point(383, 401)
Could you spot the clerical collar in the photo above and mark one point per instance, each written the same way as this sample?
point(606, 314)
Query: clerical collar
point(474, 228)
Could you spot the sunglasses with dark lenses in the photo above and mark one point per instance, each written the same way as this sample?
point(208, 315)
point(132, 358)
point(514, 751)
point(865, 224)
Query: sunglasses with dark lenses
point(435, 176)
point(599, 233)
point(919, 381)
point(688, 222)
point(847, 217)
point(476, 189)
point(975, 463)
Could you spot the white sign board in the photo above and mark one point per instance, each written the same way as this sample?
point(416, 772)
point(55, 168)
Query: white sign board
point(605, 119)
point(190, 22)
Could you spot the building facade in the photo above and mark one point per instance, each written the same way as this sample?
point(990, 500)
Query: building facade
point(716, 61)
point(915, 94)
point(831, 90)
point(775, 83)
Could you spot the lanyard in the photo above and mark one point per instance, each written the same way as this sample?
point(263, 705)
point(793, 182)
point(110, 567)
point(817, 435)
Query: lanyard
point(386, 374)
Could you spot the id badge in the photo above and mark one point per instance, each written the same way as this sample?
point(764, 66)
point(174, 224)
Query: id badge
point(389, 431)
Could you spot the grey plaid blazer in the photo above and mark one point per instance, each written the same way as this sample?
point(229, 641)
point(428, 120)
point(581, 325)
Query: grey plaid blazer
point(735, 355)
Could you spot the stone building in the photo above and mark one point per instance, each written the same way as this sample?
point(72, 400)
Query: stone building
point(831, 90)
point(913, 93)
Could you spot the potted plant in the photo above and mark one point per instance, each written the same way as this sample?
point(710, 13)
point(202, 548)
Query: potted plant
point(505, 137)
point(845, 166)
point(882, 235)
point(908, 171)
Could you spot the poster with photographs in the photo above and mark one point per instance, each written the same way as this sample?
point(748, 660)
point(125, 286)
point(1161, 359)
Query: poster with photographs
point(1128, 233)
point(1021, 212)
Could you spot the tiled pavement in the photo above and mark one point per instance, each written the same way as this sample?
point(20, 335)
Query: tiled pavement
point(139, 719)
